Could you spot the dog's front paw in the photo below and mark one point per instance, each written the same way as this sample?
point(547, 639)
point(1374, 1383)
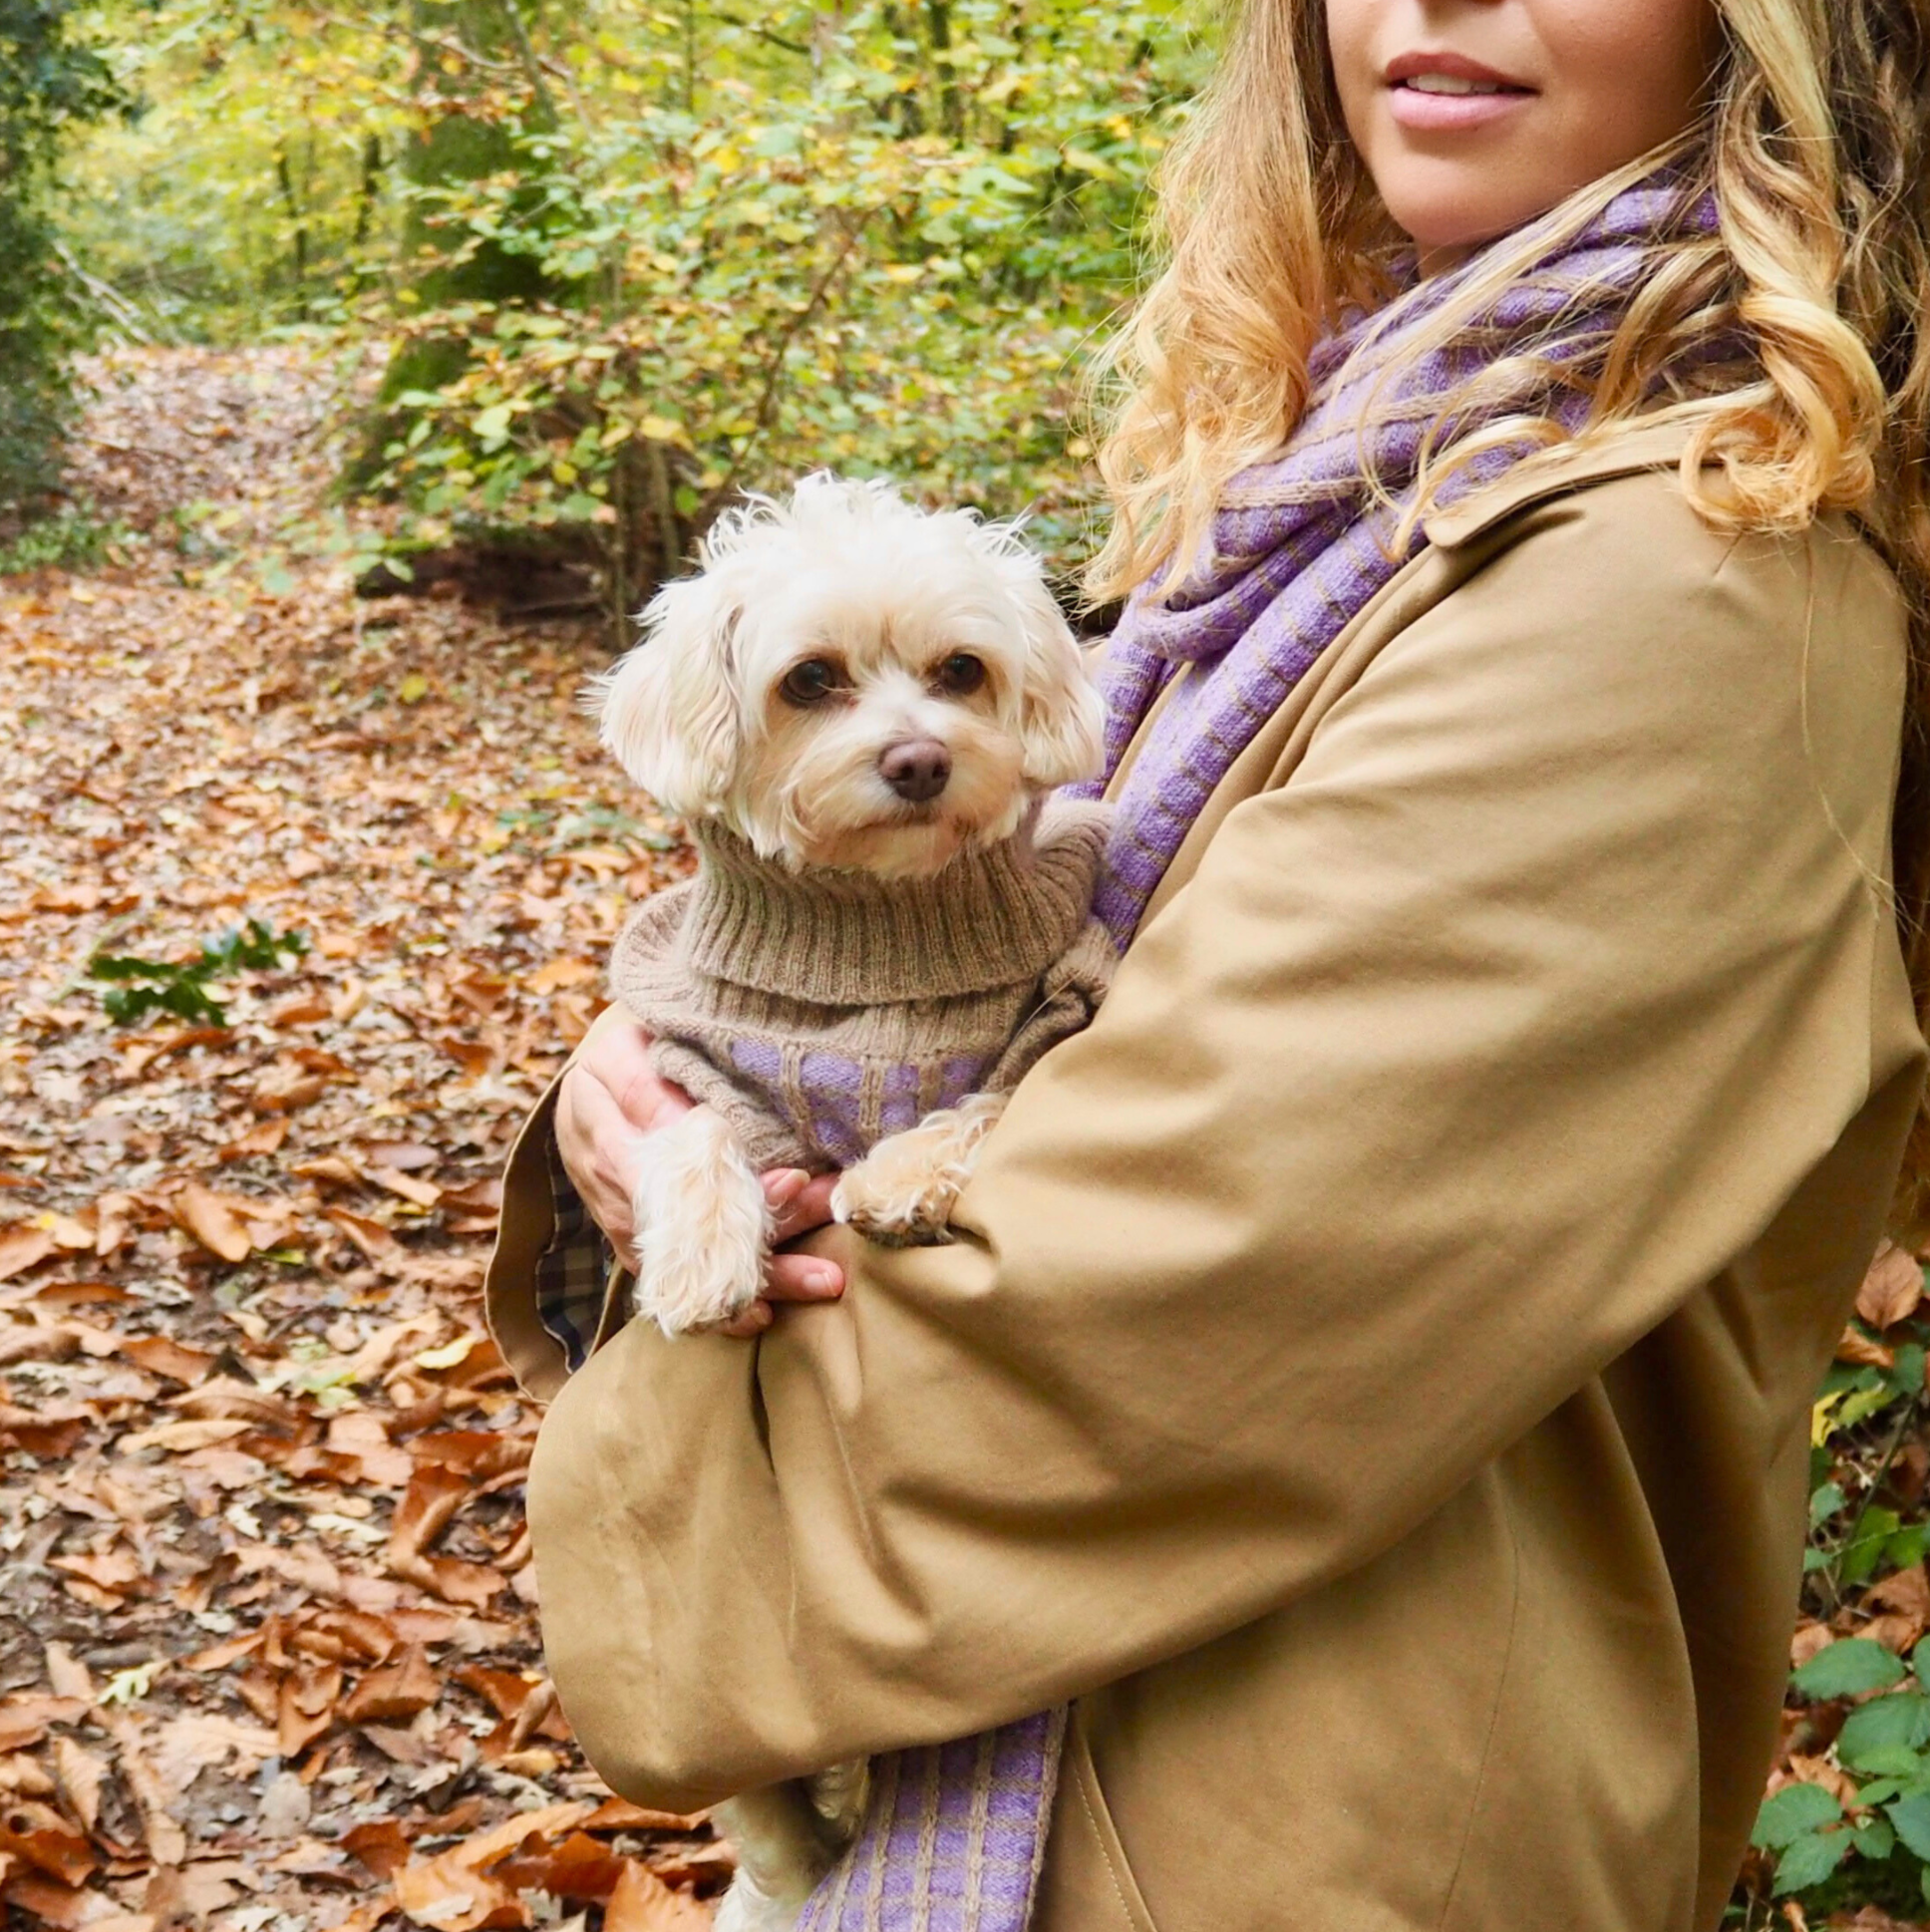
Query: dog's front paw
point(894, 1205)
point(703, 1227)
point(901, 1194)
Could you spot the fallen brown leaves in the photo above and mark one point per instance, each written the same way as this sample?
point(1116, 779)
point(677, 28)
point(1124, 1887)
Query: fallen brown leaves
point(268, 1659)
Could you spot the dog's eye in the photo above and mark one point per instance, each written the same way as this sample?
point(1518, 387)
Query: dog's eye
point(960, 675)
point(811, 682)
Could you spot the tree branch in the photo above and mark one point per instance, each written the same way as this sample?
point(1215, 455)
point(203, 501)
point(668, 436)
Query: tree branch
point(773, 370)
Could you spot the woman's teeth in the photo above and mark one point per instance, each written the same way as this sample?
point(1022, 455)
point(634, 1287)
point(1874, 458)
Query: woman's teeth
point(1450, 84)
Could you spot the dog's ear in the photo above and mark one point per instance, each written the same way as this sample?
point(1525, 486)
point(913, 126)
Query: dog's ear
point(670, 710)
point(1061, 716)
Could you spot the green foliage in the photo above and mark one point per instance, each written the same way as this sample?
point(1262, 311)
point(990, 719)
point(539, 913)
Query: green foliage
point(1875, 1846)
point(875, 253)
point(250, 188)
point(1793, 1811)
point(145, 986)
point(49, 81)
point(1846, 1669)
point(72, 537)
point(1886, 1740)
point(629, 257)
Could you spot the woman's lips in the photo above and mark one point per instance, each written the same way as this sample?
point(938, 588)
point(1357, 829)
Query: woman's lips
point(1431, 93)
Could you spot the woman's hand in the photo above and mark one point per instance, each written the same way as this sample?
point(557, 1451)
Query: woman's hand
point(611, 1100)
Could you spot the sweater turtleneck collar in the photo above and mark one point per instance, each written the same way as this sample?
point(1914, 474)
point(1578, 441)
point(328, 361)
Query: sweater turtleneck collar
point(992, 917)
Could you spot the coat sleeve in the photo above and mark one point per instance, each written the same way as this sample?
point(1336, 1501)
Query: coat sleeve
point(1464, 1058)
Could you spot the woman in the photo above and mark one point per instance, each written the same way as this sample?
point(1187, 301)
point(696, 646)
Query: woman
point(1370, 1377)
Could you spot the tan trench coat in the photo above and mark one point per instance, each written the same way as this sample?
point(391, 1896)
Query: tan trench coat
point(1372, 1375)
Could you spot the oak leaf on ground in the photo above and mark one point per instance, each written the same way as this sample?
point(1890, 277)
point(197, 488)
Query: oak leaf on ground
point(397, 1692)
point(38, 1837)
point(21, 1248)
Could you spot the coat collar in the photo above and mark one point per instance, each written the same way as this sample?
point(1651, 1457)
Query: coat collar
point(1656, 446)
point(1561, 472)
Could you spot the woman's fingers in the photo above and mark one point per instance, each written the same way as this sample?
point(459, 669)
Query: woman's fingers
point(786, 1278)
point(800, 1202)
point(601, 1152)
point(802, 1277)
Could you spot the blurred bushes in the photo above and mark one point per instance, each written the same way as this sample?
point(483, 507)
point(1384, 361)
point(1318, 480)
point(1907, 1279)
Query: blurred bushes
point(50, 81)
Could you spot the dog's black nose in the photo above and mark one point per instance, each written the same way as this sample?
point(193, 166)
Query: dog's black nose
point(917, 771)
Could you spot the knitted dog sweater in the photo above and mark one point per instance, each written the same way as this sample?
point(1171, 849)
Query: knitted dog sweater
point(819, 1010)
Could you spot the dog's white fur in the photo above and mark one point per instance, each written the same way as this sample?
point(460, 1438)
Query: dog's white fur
point(850, 575)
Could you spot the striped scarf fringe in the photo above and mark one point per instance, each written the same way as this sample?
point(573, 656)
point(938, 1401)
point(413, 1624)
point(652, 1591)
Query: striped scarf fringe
point(953, 1838)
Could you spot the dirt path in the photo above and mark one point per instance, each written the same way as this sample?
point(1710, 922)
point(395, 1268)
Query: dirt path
point(267, 1650)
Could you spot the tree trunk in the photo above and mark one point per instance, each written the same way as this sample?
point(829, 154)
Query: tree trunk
point(951, 100)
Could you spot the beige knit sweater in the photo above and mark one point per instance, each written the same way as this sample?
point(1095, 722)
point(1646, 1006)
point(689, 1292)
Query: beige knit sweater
point(819, 1010)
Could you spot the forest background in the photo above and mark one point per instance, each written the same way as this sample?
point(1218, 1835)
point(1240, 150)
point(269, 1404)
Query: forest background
point(481, 309)
point(620, 259)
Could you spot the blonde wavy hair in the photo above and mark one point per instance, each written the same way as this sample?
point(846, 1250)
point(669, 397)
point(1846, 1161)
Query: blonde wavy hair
point(1815, 141)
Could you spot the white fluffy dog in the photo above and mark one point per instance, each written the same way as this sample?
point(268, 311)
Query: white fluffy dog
point(859, 708)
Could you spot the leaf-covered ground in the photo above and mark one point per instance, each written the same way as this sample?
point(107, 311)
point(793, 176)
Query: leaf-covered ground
point(268, 1654)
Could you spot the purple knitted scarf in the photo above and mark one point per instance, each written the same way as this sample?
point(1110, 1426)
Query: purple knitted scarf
point(1298, 548)
point(954, 1839)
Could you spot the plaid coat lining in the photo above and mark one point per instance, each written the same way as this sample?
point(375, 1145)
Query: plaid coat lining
point(573, 1270)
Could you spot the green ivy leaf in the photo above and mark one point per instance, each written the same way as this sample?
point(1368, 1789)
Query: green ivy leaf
point(1873, 1838)
point(1908, 1376)
point(1859, 1557)
point(1900, 1720)
point(1911, 1817)
point(1906, 1548)
point(1897, 1762)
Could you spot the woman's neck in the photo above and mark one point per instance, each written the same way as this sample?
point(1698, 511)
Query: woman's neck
point(1429, 262)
